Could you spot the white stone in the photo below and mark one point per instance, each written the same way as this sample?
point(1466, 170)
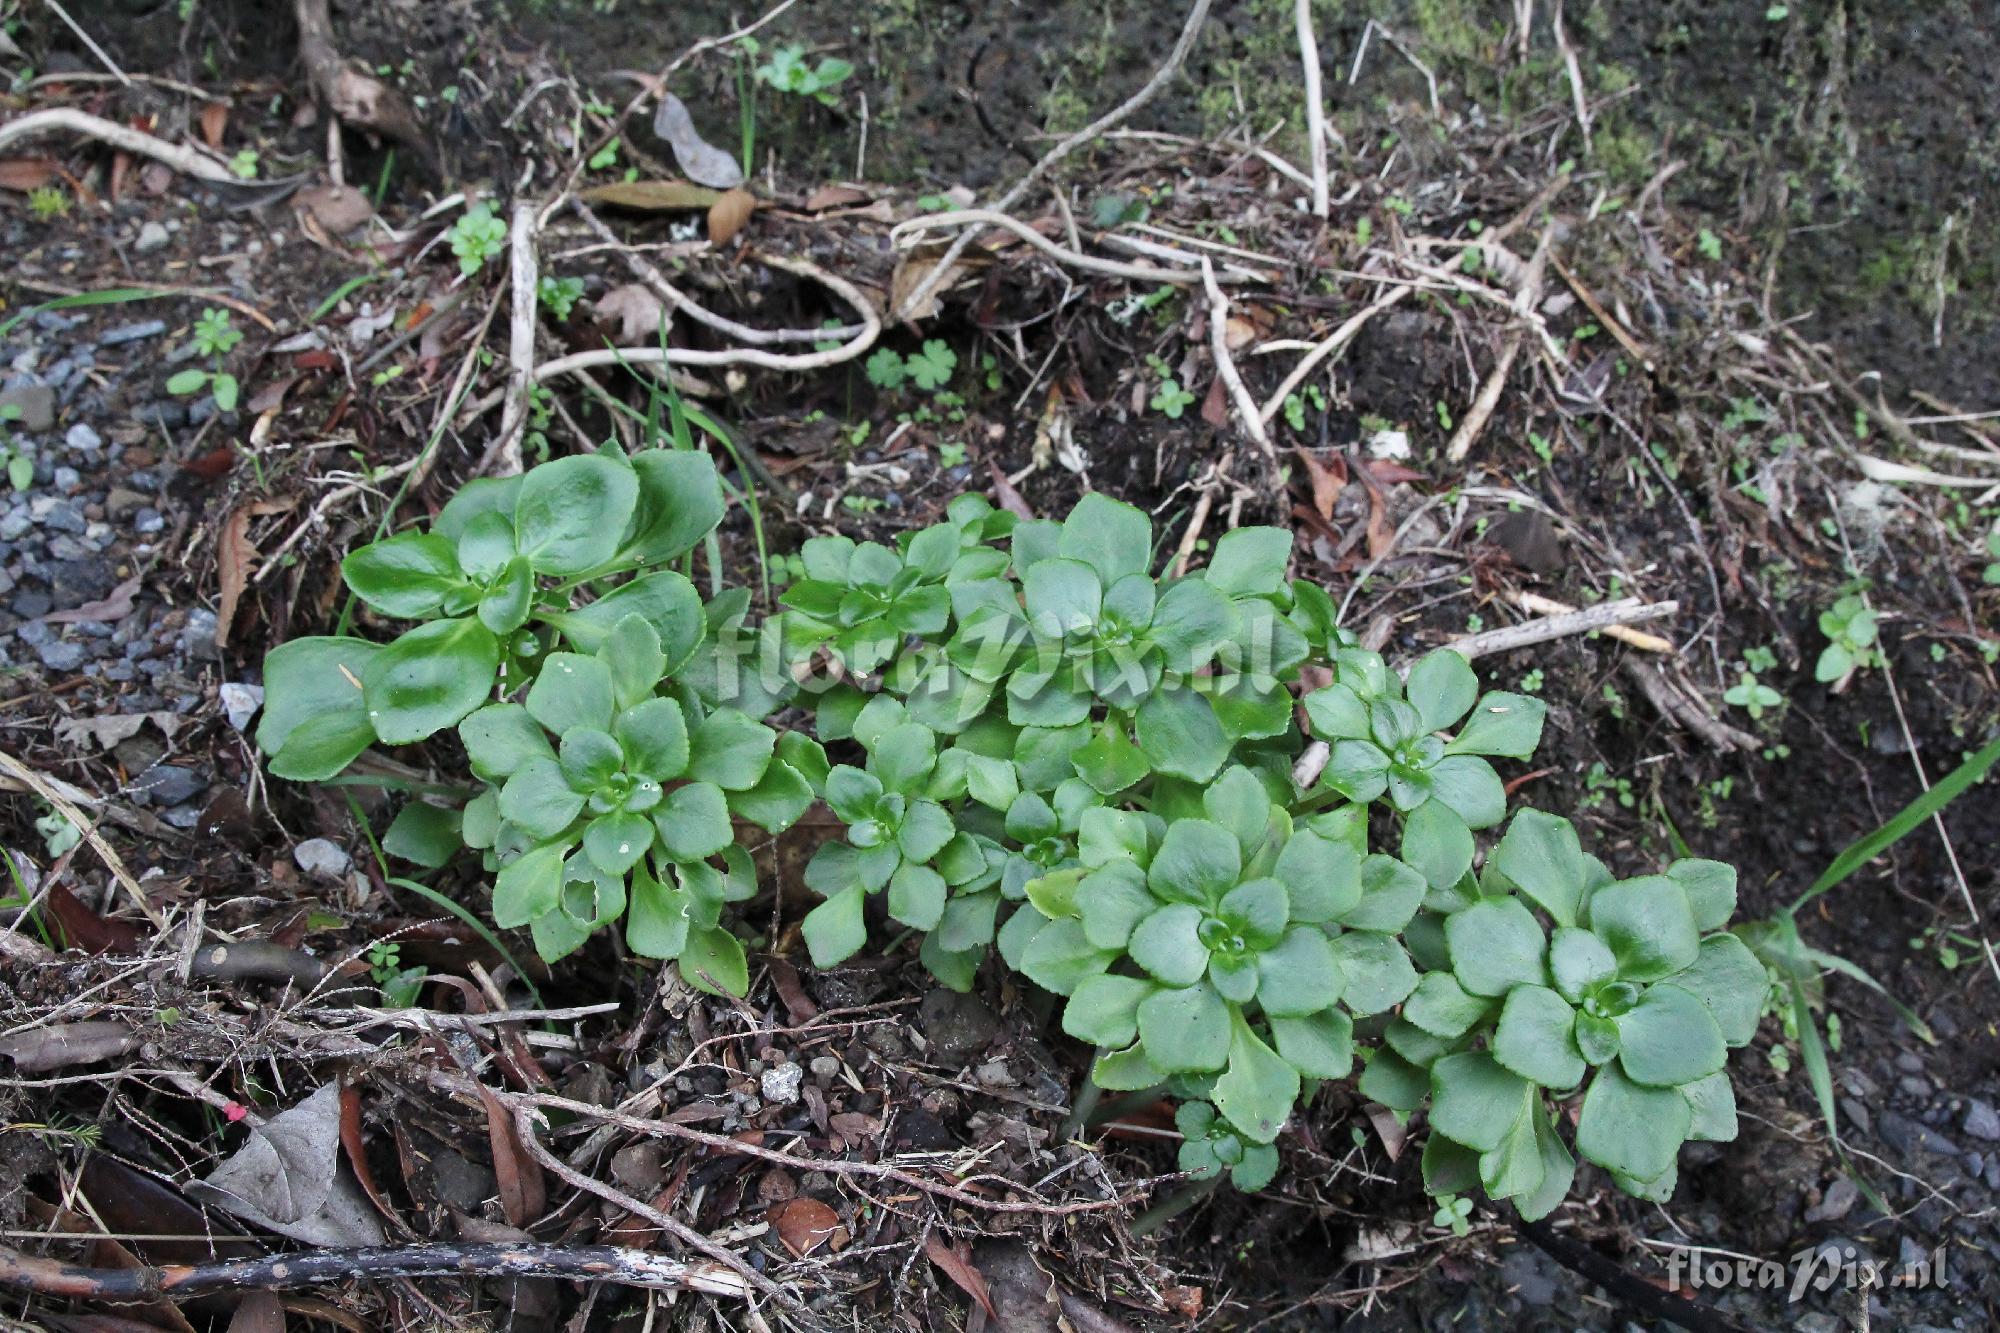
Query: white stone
point(240, 702)
point(322, 857)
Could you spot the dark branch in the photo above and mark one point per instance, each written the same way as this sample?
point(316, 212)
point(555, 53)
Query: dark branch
point(1628, 1287)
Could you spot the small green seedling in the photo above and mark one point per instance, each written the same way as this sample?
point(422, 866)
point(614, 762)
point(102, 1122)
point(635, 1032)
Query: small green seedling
point(1170, 399)
point(1851, 632)
point(476, 237)
point(788, 72)
point(1752, 695)
point(1992, 572)
point(214, 337)
point(559, 296)
point(48, 203)
point(929, 368)
point(20, 462)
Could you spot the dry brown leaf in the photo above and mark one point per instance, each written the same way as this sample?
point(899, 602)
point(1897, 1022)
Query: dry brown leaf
point(235, 554)
point(1389, 1129)
point(835, 196)
point(25, 173)
point(1215, 406)
point(1238, 333)
point(114, 606)
point(1006, 496)
point(156, 178)
point(259, 1312)
point(1183, 1301)
point(958, 1267)
point(337, 208)
point(104, 732)
point(855, 1129)
point(728, 214)
point(1327, 481)
point(912, 270)
point(654, 196)
point(214, 120)
point(805, 1224)
point(636, 310)
point(523, 1194)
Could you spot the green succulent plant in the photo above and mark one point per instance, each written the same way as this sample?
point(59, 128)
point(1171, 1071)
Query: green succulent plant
point(496, 582)
point(1209, 1146)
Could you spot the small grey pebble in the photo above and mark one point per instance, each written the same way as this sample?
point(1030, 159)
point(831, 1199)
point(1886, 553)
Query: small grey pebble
point(170, 784)
point(1914, 1086)
point(131, 333)
point(61, 655)
point(36, 633)
point(780, 1083)
point(68, 479)
point(83, 439)
point(826, 1066)
point(1981, 1121)
point(15, 524)
point(184, 816)
point(152, 236)
point(322, 858)
point(148, 521)
point(1908, 1062)
point(31, 604)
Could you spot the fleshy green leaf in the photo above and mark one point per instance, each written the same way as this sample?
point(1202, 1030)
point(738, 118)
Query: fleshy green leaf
point(835, 930)
point(655, 738)
point(1391, 893)
point(1110, 536)
point(1669, 1038)
point(1710, 888)
point(669, 603)
point(633, 654)
point(1104, 1010)
point(1475, 1100)
point(572, 512)
point(539, 799)
point(572, 691)
point(423, 834)
point(1250, 562)
point(1437, 844)
point(429, 679)
point(1632, 1129)
point(1185, 1029)
point(730, 750)
point(1061, 957)
point(1441, 687)
point(1648, 926)
point(1320, 1045)
point(1179, 732)
point(1300, 975)
point(528, 886)
point(1536, 1038)
point(1502, 724)
point(1323, 877)
point(693, 821)
point(315, 721)
point(407, 576)
point(1579, 963)
point(916, 896)
point(712, 960)
point(1168, 945)
point(1713, 1102)
point(1732, 983)
point(656, 917)
point(1256, 1092)
point(679, 502)
point(1198, 861)
point(1540, 854)
point(1496, 945)
point(1379, 975)
point(616, 841)
point(1394, 1082)
point(1442, 1007)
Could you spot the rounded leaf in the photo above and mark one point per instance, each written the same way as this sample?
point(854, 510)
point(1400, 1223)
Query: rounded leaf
point(1669, 1038)
point(429, 679)
point(572, 513)
point(408, 575)
point(1536, 1038)
point(572, 691)
point(1198, 861)
point(1168, 945)
point(1185, 1030)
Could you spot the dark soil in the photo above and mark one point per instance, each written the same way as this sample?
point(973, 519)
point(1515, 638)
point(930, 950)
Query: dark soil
point(1825, 152)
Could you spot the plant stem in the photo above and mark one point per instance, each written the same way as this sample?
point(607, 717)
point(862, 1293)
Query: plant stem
point(1182, 1199)
point(1086, 1103)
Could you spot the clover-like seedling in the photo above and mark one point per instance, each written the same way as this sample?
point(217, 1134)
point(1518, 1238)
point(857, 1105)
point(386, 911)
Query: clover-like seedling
point(1209, 1147)
point(496, 582)
point(1752, 695)
point(607, 799)
point(1851, 633)
point(1384, 739)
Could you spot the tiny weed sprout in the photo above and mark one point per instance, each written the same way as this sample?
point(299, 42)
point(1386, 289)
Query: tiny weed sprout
point(13, 452)
point(1049, 761)
point(559, 295)
point(1849, 627)
point(48, 202)
point(788, 72)
point(930, 368)
point(476, 237)
point(1752, 695)
point(215, 336)
point(1991, 575)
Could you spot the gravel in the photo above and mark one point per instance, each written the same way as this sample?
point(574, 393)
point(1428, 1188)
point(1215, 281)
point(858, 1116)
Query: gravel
point(323, 858)
point(1981, 1121)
